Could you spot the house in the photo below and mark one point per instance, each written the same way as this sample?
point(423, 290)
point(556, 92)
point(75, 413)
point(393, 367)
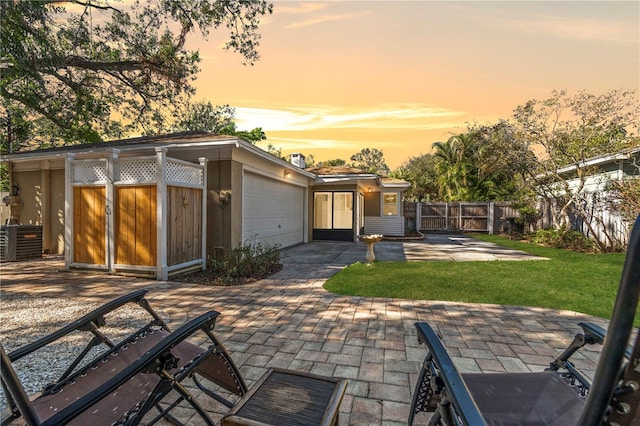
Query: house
point(603, 169)
point(161, 205)
point(340, 191)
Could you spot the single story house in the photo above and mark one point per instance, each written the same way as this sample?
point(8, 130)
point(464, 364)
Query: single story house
point(160, 205)
point(603, 169)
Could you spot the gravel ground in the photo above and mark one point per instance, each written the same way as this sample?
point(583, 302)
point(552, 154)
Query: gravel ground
point(24, 319)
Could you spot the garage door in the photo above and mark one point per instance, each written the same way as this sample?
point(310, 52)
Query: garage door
point(273, 211)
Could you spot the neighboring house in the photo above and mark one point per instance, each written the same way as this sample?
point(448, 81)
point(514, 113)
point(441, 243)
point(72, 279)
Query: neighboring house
point(165, 204)
point(620, 166)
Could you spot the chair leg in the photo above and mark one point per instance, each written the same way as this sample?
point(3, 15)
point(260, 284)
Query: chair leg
point(424, 397)
point(184, 395)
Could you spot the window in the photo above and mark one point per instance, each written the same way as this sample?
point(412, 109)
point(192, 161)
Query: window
point(333, 210)
point(343, 210)
point(390, 203)
point(322, 209)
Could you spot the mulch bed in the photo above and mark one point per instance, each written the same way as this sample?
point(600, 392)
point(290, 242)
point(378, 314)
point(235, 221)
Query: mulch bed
point(208, 277)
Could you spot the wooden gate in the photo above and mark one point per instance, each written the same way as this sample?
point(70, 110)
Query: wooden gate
point(89, 224)
point(461, 216)
point(492, 217)
point(434, 217)
point(135, 214)
point(184, 233)
point(136, 225)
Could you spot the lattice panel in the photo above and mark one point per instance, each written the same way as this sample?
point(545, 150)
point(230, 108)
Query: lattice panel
point(136, 171)
point(89, 172)
point(182, 173)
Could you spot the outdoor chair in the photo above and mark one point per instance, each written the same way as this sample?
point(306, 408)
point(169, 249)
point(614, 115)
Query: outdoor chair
point(561, 395)
point(142, 378)
point(126, 379)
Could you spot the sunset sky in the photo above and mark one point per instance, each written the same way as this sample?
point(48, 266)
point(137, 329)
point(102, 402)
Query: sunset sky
point(338, 76)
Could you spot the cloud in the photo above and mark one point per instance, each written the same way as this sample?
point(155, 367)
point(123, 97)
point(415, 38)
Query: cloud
point(325, 18)
point(304, 118)
point(311, 8)
point(299, 8)
point(572, 28)
point(315, 144)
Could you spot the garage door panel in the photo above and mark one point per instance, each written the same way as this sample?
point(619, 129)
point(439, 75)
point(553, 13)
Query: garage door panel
point(273, 211)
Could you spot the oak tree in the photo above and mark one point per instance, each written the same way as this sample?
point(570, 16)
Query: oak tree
point(87, 70)
point(219, 119)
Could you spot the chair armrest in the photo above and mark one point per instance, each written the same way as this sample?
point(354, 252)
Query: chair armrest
point(153, 358)
point(95, 317)
point(454, 386)
point(593, 332)
point(598, 334)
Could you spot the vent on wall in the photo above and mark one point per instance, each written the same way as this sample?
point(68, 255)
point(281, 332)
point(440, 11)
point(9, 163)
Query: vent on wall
point(20, 242)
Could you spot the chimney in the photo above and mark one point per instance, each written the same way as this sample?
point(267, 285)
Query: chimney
point(297, 159)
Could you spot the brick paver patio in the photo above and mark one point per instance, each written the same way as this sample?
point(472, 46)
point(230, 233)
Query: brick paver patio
point(290, 321)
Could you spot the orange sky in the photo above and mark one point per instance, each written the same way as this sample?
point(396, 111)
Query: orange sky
point(339, 76)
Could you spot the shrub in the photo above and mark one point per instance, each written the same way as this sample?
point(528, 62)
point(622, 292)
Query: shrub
point(563, 238)
point(246, 263)
point(242, 265)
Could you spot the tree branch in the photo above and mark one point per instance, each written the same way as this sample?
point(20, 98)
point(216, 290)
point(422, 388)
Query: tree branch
point(95, 6)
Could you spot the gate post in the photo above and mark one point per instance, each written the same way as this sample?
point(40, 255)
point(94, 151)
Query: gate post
point(446, 216)
point(418, 215)
point(68, 210)
point(110, 209)
point(203, 219)
point(490, 215)
point(161, 231)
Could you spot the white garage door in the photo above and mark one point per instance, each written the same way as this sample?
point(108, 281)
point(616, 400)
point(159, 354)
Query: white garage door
point(273, 211)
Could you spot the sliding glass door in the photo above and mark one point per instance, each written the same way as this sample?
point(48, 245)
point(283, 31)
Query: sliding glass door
point(333, 216)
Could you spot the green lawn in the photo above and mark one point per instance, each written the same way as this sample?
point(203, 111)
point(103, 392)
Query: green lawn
point(575, 281)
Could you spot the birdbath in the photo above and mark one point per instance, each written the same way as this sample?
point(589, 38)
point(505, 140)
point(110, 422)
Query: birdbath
point(370, 240)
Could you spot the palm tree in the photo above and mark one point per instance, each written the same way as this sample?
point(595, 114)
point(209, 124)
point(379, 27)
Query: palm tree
point(454, 168)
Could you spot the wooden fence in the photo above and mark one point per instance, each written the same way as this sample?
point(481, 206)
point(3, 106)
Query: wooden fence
point(490, 217)
point(497, 217)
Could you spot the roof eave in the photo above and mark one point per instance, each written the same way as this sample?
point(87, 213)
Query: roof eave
point(93, 151)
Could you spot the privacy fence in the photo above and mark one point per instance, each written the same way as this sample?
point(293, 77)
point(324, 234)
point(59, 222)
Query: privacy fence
point(490, 217)
point(498, 217)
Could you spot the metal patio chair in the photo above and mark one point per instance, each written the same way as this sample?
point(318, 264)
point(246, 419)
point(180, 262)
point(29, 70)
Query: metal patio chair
point(560, 395)
point(128, 378)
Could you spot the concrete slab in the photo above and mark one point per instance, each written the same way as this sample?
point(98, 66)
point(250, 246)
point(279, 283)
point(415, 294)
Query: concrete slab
point(435, 247)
